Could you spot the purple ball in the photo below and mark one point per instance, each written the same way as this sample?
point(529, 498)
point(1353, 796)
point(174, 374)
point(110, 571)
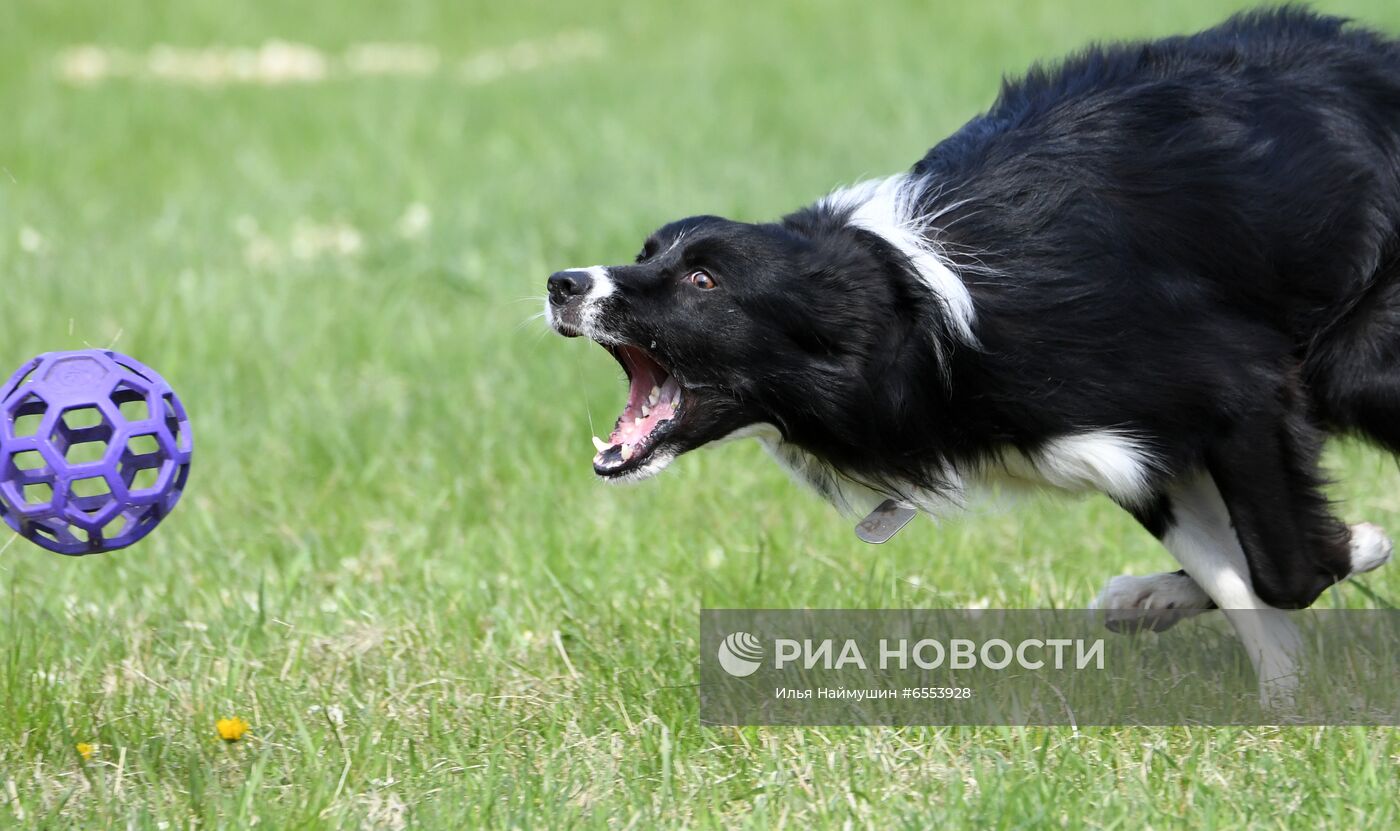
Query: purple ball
point(94, 451)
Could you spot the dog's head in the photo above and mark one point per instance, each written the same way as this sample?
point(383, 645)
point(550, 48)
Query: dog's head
point(720, 325)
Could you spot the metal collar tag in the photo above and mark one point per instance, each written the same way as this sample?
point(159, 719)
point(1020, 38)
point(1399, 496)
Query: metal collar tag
point(884, 522)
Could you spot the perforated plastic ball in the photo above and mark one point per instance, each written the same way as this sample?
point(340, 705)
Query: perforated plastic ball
point(95, 450)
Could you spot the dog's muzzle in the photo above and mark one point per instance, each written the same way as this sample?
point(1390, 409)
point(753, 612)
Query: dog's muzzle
point(574, 298)
point(568, 291)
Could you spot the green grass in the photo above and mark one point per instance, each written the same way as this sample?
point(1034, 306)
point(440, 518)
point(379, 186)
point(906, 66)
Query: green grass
point(393, 560)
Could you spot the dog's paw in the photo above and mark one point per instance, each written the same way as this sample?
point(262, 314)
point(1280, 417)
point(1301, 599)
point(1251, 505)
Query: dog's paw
point(1279, 696)
point(1370, 548)
point(1156, 602)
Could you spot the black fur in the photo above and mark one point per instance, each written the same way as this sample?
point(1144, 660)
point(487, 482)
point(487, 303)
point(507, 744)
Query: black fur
point(1194, 240)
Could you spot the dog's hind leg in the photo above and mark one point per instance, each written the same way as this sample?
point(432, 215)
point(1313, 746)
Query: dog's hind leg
point(1158, 601)
point(1370, 548)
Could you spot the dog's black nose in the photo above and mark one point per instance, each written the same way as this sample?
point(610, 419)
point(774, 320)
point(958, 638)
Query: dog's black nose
point(566, 285)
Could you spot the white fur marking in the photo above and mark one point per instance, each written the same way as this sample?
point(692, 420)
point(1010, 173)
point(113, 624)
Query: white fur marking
point(1169, 590)
point(1203, 540)
point(1107, 461)
point(677, 241)
point(602, 283)
point(1103, 460)
point(1158, 601)
point(588, 310)
point(888, 207)
point(848, 495)
point(1146, 596)
point(1370, 548)
point(603, 287)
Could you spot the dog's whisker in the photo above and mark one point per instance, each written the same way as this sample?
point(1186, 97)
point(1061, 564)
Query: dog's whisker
point(531, 319)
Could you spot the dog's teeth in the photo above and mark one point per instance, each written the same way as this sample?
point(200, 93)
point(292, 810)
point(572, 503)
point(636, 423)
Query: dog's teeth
point(646, 411)
point(636, 422)
point(626, 452)
point(599, 444)
point(654, 396)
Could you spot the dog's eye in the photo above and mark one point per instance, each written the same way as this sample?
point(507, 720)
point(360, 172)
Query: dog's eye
point(700, 279)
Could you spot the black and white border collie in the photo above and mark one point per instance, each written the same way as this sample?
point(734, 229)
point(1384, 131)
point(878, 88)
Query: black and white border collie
point(1164, 271)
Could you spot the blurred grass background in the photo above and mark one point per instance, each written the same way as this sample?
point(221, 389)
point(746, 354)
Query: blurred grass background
point(393, 560)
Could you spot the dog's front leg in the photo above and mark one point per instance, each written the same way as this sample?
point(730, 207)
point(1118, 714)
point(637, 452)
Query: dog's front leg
point(1201, 536)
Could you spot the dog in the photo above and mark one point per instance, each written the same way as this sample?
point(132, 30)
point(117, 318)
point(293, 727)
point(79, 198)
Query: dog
point(1165, 271)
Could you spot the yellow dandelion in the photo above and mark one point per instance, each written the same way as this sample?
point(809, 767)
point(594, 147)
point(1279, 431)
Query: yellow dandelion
point(231, 729)
point(86, 749)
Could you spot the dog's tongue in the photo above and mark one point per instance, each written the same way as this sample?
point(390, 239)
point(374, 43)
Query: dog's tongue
point(653, 397)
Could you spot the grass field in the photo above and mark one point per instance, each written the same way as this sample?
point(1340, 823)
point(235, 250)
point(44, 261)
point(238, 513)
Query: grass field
point(393, 560)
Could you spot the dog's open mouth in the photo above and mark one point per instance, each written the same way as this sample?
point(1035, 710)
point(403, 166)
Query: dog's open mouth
point(652, 411)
